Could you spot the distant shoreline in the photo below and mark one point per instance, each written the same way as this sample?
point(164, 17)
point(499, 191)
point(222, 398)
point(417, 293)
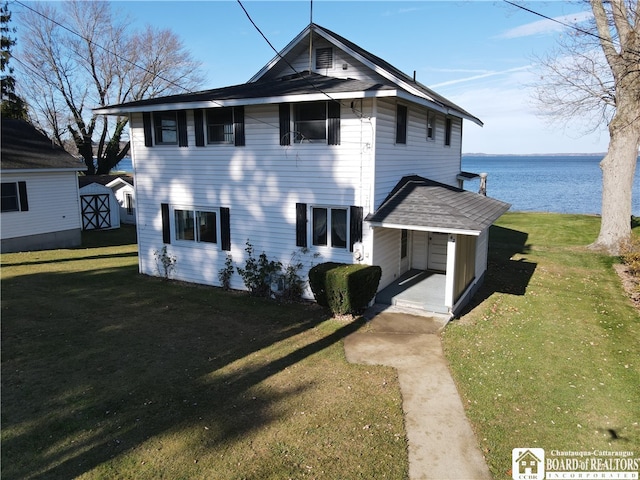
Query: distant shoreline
point(534, 154)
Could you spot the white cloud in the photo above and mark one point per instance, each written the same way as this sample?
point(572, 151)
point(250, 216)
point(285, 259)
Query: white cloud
point(485, 74)
point(544, 27)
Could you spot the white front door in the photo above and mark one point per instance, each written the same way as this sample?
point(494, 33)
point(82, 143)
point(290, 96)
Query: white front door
point(437, 252)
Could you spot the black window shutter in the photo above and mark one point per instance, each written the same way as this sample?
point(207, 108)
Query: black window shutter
point(22, 192)
point(401, 124)
point(198, 118)
point(146, 122)
point(301, 224)
point(356, 225)
point(182, 128)
point(333, 113)
point(166, 228)
point(225, 227)
point(285, 124)
point(238, 126)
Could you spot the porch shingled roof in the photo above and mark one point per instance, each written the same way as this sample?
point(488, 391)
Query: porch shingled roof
point(428, 205)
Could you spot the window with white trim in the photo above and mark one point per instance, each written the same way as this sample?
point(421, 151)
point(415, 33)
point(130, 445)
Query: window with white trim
point(431, 125)
point(14, 197)
point(200, 226)
point(220, 125)
point(313, 122)
point(329, 227)
point(166, 128)
point(401, 124)
point(447, 132)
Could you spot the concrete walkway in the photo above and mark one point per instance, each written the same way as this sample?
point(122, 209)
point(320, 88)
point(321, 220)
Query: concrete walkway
point(441, 442)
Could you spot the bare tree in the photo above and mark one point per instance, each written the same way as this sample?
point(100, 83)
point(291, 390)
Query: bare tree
point(79, 55)
point(595, 76)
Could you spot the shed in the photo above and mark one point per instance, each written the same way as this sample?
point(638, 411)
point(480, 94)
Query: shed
point(98, 205)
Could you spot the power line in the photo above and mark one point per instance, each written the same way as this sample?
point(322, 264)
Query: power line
point(282, 57)
point(568, 25)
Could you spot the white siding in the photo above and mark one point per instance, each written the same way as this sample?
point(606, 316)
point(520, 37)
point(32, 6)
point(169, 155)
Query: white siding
point(387, 254)
point(482, 252)
point(53, 204)
point(419, 156)
point(260, 183)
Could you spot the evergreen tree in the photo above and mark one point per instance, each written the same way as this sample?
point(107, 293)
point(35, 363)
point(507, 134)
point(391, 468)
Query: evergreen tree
point(12, 105)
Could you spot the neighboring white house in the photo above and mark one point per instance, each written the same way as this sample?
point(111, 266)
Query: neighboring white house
point(354, 160)
point(122, 187)
point(108, 201)
point(40, 203)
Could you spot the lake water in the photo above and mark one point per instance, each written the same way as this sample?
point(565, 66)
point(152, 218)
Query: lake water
point(540, 183)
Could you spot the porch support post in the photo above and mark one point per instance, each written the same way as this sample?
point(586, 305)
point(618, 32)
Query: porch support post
point(451, 271)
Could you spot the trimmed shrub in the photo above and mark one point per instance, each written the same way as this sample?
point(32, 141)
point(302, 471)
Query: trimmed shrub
point(343, 288)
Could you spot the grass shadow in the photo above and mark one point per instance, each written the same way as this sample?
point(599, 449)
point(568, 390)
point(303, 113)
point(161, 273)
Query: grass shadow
point(504, 274)
point(96, 363)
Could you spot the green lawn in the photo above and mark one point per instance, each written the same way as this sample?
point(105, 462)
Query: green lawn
point(109, 374)
point(548, 355)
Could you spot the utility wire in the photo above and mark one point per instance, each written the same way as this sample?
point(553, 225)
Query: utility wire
point(282, 57)
point(568, 25)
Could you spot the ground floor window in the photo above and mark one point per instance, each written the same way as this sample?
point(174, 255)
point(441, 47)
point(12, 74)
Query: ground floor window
point(196, 225)
point(14, 197)
point(329, 227)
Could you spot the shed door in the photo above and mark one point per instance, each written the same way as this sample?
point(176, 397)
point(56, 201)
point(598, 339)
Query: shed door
point(95, 211)
point(437, 252)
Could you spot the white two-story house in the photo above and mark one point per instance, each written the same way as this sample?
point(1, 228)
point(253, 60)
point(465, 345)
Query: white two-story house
point(327, 147)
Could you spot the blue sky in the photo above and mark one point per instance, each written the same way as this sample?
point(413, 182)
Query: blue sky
point(479, 54)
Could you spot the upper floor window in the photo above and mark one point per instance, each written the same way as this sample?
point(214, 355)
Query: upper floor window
point(401, 124)
point(166, 128)
point(431, 130)
point(220, 125)
point(313, 122)
point(447, 132)
point(310, 121)
point(14, 197)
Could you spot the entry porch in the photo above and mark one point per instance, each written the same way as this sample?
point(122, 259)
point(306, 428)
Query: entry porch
point(419, 289)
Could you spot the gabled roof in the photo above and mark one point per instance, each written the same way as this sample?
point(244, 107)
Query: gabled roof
point(263, 88)
point(106, 180)
point(25, 148)
point(418, 203)
point(267, 91)
point(375, 63)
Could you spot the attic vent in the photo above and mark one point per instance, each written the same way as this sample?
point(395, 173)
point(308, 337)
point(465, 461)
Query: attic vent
point(324, 58)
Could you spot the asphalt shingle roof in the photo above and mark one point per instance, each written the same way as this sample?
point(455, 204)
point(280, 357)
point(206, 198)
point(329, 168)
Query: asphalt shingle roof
point(418, 201)
point(304, 83)
point(24, 147)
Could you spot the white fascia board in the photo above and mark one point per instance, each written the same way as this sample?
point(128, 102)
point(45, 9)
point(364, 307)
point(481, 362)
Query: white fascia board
point(43, 170)
point(308, 97)
point(419, 228)
point(445, 110)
